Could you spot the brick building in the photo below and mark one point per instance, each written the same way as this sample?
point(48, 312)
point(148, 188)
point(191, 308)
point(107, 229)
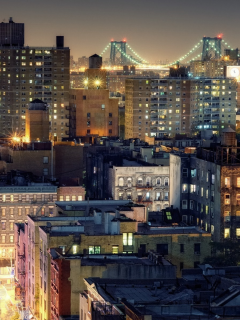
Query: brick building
point(96, 114)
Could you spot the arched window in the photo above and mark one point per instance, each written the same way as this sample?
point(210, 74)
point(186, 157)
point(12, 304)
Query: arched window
point(158, 207)
point(166, 182)
point(120, 182)
point(158, 181)
point(140, 181)
point(148, 181)
point(129, 182)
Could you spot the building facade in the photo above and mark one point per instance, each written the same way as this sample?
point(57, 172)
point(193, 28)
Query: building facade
point(145, 184)
point(166, 107)
point(17, 203)
point(205, 188)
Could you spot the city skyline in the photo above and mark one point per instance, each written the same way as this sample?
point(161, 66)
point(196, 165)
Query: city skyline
point(149, 27)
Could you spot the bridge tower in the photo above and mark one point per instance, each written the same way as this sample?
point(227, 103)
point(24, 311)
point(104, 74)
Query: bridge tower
point(118, 49)
point(211, 48)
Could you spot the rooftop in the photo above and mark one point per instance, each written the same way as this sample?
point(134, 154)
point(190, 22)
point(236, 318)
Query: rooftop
point(100, 259)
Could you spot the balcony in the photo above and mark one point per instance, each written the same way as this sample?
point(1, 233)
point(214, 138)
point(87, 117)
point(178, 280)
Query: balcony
point(146, 186)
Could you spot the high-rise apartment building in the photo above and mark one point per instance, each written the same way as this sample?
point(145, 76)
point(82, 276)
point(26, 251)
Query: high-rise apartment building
point(157, 107)
point(137, 107)
point(166, 107)
point(211, 68)
point(28, 73)
point(213, 104)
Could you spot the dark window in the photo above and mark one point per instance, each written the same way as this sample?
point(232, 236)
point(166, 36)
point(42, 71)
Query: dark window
point(110, 123)
point(162, 248)
point(110, 131)
point(88, 115)
point(197, 248)
point(110, 115)
point(181, 247)
point(88, 131)
point(45, 159)
point(88, 123)
point(84, 97)
point(181, 265)
point(196, 263)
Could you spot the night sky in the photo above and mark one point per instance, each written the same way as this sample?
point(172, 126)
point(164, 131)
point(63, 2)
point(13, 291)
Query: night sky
point(156, 29)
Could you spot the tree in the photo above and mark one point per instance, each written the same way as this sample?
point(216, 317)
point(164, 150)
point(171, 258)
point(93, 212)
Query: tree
point(226, 253)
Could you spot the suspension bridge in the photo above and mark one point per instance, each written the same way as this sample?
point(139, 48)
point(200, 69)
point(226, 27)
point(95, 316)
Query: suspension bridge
point(121, 53)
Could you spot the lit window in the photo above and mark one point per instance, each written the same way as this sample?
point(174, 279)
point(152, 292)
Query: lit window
point(74, 198)
point(54, 117)
point(238, 182)
point(207, 194)
point(4, 198)
point(79, 198)
point(192, 188)
point(227, 233)
point(184, 188)
point(114, 249)
point(238, 233)
point(201, 191)
point(238, 199)
point(127, 239)
point(67, 198)
point(60, 198)
point(11, 197)
point(74, 249)
point(227, 182)
point(94, 249)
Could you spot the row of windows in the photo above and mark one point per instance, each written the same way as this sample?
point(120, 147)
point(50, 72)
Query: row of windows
point(89, 115)
point(4, 224)
point(23, 210)
point(6, 253)
point(26, 197)
point(3, 238)
point(140, 196)
point(227, 233)
point(70, 198)
point(128, 241)
point(140, 181)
